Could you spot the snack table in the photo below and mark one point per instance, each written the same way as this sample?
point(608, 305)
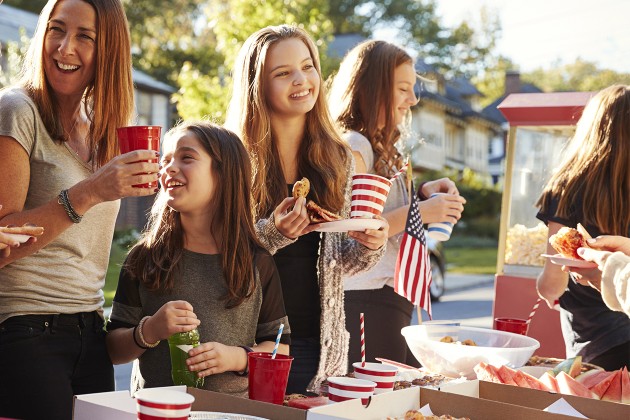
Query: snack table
point(539, 126)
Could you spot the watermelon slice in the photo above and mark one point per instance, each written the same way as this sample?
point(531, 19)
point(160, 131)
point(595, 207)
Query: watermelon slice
point(613, 393)
point(625, 386)
point(308, 402)
point(592, 377)
point(483, 373)
point(494, 373)
point(535, 383)
point(520, 379)
point(600, 388)
point(506, 375)
point(568, 385)
point(550, 381)
point(571, 366)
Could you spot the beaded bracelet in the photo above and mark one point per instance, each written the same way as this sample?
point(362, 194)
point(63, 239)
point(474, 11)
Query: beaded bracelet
point(142, 340)
point(64, 200)
point(135, 340)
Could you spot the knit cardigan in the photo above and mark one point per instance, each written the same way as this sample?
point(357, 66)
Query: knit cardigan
point(339, 256)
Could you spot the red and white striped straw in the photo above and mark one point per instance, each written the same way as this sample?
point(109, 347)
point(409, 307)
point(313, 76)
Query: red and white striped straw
point(531, 314)
point(362, 341)
point(401, 170)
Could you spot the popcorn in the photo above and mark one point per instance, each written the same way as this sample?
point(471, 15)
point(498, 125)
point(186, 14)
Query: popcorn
point(524, 246)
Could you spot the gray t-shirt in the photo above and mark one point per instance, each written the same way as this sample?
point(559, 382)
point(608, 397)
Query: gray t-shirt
point(67, 275)
point(383, 272)
point(200, 282)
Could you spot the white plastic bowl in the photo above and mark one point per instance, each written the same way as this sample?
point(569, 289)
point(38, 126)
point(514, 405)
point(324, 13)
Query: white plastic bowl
point(455, 360)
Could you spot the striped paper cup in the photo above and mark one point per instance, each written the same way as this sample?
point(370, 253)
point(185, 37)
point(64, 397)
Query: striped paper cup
point(158, 404)
point(341, 388)
point(369, 193)
point(383, 375)
point(440, 231)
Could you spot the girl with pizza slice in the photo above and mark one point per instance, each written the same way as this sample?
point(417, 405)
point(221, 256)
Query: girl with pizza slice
point(591, 186)
point(279, 111)
point(378, 72)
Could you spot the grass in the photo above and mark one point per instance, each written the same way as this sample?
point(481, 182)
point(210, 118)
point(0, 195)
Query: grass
point(116, 258)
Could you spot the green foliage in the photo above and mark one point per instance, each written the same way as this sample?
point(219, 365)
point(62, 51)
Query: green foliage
point(34, 6)
point(15, 52)
point(201, 96)
point(126, 238)
point(580, 75)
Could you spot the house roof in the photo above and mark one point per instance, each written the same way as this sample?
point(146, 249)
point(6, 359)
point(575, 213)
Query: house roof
point(492, 112)
point(12, 19)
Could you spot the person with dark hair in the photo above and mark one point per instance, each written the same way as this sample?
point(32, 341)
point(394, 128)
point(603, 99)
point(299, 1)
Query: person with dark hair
point(591, 186)
point(61, 168)
point(198, 264)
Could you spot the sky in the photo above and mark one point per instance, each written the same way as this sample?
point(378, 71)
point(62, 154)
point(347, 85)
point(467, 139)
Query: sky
point(536, 33)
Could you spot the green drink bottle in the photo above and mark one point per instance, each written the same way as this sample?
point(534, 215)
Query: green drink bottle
point(179, 345)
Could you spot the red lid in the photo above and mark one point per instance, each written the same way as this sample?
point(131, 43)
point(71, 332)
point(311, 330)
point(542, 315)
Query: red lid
point(558, 108)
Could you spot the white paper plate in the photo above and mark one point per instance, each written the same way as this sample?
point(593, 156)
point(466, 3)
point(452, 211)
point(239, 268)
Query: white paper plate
point(346, 225)
point(569, 262)
point(19, 237)
point(211, 415)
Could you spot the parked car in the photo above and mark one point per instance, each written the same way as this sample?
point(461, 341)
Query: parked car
point(438, 268)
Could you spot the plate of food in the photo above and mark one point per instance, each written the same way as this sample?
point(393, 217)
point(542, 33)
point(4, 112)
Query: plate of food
point(346, 225)
point(559, 259)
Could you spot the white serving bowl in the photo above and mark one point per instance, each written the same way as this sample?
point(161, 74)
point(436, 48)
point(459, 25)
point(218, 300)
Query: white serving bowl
point(455, 360)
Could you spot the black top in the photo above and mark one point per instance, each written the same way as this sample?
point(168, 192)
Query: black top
point(589, 327)
point(297, 266)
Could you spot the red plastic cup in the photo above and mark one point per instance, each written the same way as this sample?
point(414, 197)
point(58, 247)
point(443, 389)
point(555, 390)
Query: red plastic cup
point(139, 137)
point(268, 377)
point(162, 404)
point(369, 193)
point(513, 325)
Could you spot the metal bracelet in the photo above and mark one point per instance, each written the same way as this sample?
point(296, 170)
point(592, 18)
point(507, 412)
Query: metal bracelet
point(141, 336)
point(64, 200)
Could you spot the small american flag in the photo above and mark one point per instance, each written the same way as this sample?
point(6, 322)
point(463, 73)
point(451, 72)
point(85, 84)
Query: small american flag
point(413, 266)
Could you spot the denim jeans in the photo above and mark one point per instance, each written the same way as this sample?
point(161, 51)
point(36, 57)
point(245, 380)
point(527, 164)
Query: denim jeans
point(305, 352)
point(46, 359)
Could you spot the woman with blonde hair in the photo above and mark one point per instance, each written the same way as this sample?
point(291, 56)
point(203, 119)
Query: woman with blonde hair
point(58, 148)
point(370, 99)
point(591, 186)
point(279, 110)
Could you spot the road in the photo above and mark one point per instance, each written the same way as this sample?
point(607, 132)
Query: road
point(467, 299)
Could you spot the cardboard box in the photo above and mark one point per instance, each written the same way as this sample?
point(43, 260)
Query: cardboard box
point(591, 408)
point(395, 404)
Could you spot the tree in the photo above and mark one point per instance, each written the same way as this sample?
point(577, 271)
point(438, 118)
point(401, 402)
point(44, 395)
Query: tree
point(13, 59)
point(580, 75)
point(34, 6)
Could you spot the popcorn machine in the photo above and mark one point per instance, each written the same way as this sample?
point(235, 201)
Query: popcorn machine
point(539, 126)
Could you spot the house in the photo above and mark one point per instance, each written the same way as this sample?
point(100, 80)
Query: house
point(153, 101)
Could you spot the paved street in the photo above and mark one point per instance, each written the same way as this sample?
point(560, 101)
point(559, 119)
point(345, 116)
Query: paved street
point(468, 298)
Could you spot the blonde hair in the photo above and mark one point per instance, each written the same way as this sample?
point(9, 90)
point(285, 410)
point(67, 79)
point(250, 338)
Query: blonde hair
point(361, 90)
point(597, 165)
point(108, 100)
point(323, 156)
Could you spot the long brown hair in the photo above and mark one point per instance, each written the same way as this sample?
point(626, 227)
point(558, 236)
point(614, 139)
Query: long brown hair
point(155, 259)
point(108, 100)
point(323, 156)
point(362, 91)
point(597, 163)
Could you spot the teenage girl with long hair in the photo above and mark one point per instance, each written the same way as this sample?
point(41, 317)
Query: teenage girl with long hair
point(370, 99)
point(279, 110)
point(198, 265)
point(591, 186)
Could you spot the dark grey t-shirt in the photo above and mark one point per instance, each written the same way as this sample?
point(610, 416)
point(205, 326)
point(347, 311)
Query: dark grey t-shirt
point(202, 284)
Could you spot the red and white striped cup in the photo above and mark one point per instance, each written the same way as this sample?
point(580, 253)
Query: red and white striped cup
point(161, 404)
point(369, 193)
point(341, 388)
point(383, 375)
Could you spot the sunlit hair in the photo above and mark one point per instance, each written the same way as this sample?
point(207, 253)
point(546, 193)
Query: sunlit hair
point(597, 164)
point(362, 93)
point(108, 100)
point(156, 259)
point(323, 155)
